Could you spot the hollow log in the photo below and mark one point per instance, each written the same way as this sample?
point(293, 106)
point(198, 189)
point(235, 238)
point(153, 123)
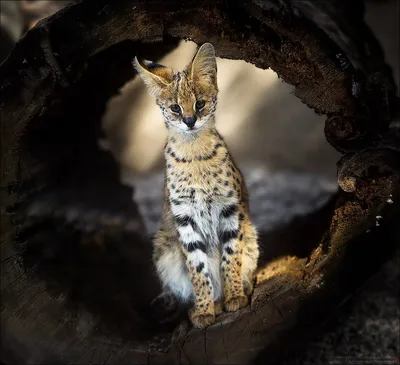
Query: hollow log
point(76, 278)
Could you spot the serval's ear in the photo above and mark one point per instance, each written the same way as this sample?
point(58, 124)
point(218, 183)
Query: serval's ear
point(156, 77)
point(203, 67)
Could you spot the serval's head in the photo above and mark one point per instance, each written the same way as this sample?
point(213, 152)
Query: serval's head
point(187, 99)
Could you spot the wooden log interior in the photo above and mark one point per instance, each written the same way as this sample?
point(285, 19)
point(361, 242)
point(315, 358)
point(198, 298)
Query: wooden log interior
point(77, 280)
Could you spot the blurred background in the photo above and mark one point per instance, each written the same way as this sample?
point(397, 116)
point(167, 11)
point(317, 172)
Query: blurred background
point(274, 138)
point(262, 121)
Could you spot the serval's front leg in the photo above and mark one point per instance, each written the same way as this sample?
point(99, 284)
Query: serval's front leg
point(231, 236)
point(195, 249)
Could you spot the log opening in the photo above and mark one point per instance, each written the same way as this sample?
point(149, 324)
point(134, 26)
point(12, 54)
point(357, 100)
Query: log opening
point(71, 264)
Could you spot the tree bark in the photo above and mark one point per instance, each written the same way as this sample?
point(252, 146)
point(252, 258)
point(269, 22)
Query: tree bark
point(76, 283)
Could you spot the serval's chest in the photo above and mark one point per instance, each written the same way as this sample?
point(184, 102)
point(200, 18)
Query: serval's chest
point(201, 190)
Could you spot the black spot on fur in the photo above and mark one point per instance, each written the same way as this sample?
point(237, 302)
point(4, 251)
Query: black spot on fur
point(228, 211)
point(241, 216)
point(226, 183)
point(229, 250)
point(200, 267)
point(183, 221)
point(230, 194)
point(229, 235)
point(196, 245)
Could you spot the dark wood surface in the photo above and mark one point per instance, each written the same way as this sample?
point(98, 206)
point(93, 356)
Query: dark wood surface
point(76, 287)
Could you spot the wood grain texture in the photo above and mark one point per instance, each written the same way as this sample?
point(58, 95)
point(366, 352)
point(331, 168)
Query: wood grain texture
point(76, 278)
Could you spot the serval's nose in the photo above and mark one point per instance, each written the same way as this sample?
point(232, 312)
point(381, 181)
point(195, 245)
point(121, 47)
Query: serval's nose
point(190, 121)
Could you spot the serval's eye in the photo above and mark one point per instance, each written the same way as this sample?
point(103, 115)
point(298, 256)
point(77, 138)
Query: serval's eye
point(200, 104)
point(175, 108)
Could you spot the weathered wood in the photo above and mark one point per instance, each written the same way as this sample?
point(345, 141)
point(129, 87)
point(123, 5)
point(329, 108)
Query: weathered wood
point(76, 275)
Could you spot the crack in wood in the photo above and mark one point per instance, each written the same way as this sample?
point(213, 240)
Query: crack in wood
point(205, 345)
point(278, 309)
point(223, 341)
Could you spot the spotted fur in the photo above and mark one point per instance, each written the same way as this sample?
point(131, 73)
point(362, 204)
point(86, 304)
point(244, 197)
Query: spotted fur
point(206, 251)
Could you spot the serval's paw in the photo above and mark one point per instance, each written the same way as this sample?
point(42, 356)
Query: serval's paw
point(236, 303)
point(200, 318)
